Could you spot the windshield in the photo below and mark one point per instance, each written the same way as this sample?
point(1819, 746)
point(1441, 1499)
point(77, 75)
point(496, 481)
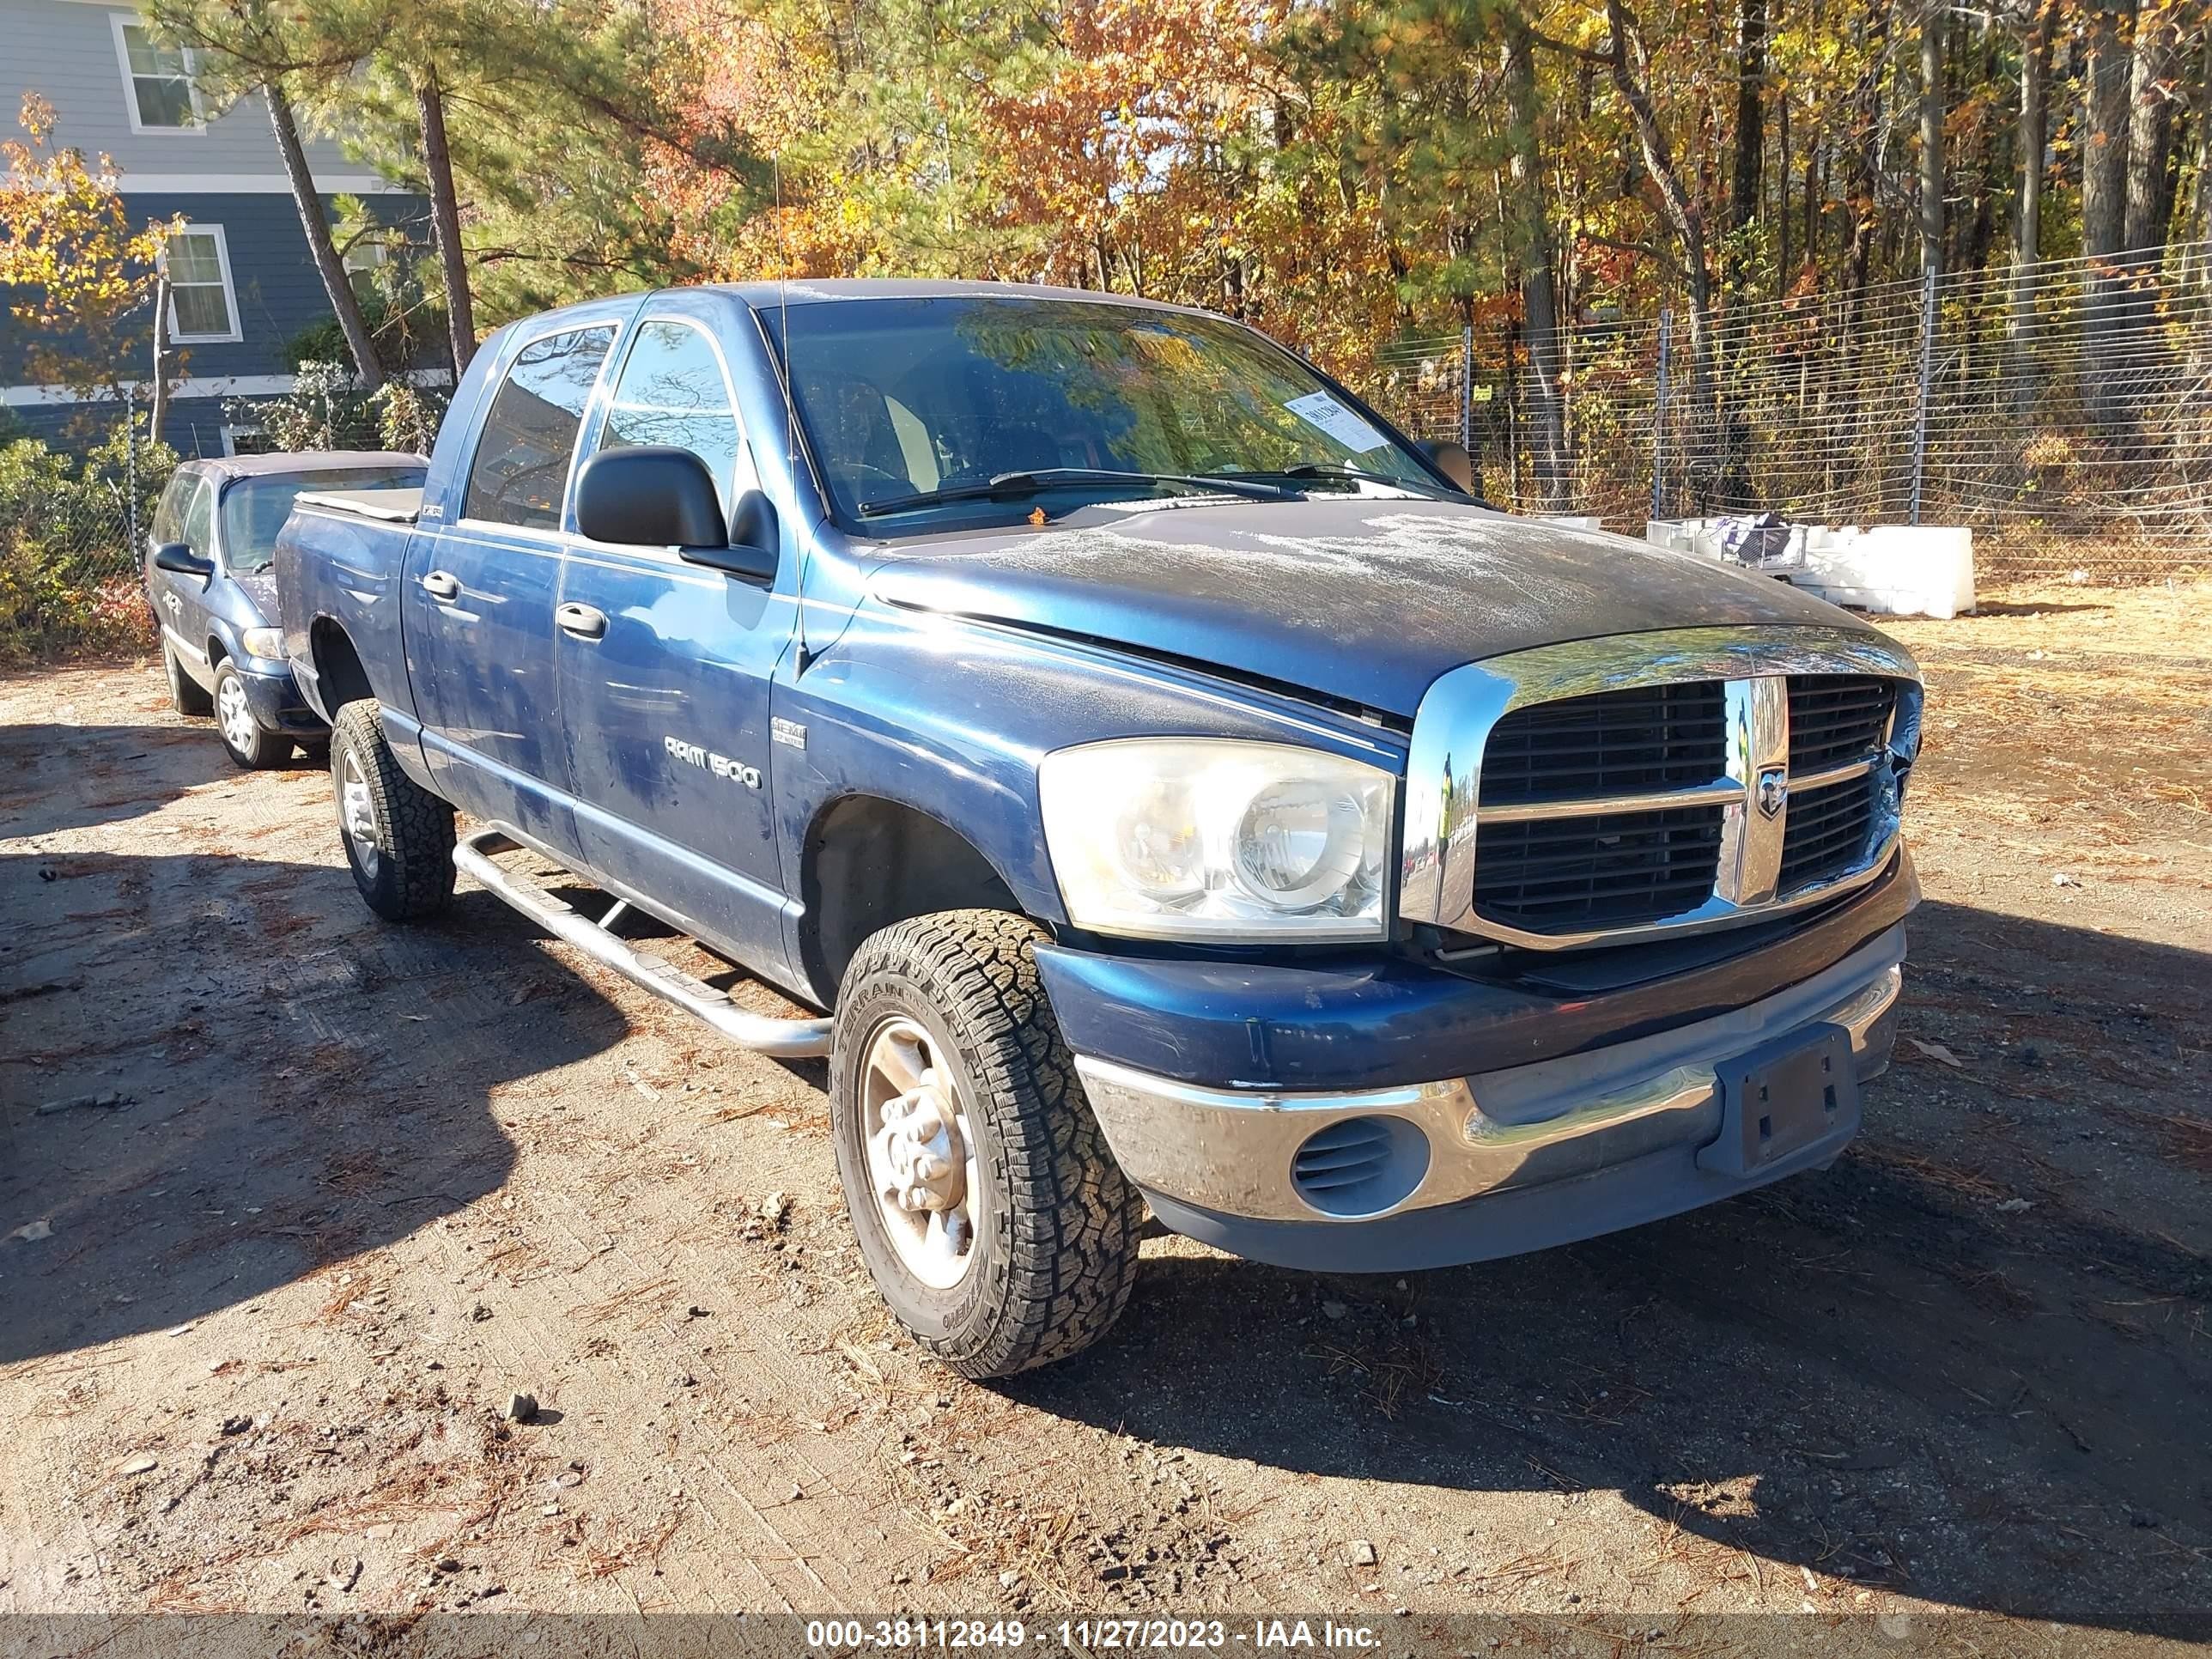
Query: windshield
point(907, 400)
point(254, 509)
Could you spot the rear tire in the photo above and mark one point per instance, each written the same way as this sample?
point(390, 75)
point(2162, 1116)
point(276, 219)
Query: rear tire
point(1048, 1222)
point(187, 695)
point(398, 836)
point(243, 739)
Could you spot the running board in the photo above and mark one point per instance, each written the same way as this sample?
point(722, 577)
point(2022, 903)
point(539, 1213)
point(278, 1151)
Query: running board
point(786, 1039)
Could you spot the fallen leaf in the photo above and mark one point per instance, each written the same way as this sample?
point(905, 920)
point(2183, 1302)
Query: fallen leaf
point(1938, 1051)
point(32, 1232)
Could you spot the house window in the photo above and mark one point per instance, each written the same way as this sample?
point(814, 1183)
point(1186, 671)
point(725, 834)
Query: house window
point(203, 307)
point(362, 261)
point(158, 79)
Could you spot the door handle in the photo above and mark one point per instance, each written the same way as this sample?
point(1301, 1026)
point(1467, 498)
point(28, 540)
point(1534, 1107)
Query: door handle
point(581, 621)
point(439, 585)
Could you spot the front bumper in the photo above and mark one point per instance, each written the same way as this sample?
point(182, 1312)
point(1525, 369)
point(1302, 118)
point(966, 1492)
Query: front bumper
point(273, 698)
point(1507, 1160)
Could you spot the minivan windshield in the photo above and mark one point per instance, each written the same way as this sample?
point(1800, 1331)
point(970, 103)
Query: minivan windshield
point(254, 509)
point(926, 414)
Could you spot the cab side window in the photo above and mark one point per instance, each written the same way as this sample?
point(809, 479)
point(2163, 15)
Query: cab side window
point(520, 473)
point(671, 391)
point(197, 528)
point(169, 515)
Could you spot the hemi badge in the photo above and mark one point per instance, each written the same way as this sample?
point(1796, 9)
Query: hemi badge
point(787, 732)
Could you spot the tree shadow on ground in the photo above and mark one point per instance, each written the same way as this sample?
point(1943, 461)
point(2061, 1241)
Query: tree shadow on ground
point(279, 1112)
point(55, 777)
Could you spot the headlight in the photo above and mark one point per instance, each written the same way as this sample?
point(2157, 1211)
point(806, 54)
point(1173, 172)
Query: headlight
point(265, 642)
point(1215, 839)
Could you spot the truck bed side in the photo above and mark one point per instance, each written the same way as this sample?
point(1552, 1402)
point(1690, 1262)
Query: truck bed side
point(338, 571)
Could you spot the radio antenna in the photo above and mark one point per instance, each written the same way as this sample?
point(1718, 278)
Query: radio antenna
point(790, 407)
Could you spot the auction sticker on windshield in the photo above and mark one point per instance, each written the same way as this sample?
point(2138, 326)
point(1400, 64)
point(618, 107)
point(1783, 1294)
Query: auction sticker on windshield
point(1319, 409)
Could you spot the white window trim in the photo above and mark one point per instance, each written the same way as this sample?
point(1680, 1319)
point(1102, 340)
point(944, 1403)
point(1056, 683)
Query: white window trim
point(230, 291)
point(232, 432)
point(117, 20)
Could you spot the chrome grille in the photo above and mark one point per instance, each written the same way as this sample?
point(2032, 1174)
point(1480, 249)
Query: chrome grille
point(1549, 875)
point(1836, 718)
point(1600, 790)
point(1826, 834)
point(1613, 742)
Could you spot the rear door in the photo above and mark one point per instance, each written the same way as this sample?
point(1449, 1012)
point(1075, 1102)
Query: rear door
point(479, 595)
point(664, 666)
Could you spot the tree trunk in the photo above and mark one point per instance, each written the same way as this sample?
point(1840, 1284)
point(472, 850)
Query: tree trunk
point(2028, 225)
point(1750, 129)
point(446, 217)
point(1531, 253)
point(2197, 218)
point(2107, 83)
point(159, 411)
point(2148, 188)
point(1869, 119)
point(1630, 62)
point(1783, 218)
point(1931, 138)
point(310, 204)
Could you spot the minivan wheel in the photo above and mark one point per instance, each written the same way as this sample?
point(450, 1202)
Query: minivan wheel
point(990, 1213)
point(187, 695)
point(399, 837)
point(243, 739)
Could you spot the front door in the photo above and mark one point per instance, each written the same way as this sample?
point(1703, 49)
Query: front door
point(480, 593)
point(186, 514)
point(665, 670)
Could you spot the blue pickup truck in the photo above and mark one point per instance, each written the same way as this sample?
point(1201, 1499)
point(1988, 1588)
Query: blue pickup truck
point(1173, 791)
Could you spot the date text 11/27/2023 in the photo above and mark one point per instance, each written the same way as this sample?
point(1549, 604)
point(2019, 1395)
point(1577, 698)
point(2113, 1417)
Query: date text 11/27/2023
point(1088, 1634)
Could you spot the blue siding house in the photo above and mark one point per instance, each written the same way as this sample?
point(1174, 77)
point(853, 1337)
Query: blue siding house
point(242, 281)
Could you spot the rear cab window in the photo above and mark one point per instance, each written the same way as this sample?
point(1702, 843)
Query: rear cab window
point(520, 475)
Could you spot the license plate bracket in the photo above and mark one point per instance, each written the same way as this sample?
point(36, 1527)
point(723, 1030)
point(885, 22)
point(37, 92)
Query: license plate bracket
point(1783, 1096)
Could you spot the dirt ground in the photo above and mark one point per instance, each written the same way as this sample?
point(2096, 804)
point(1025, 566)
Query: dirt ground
point(259, 1319)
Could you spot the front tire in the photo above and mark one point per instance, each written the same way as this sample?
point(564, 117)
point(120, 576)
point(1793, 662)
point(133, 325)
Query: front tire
point(399, 837)
point(987, 1207)
point(187, 695)
point(243, 739)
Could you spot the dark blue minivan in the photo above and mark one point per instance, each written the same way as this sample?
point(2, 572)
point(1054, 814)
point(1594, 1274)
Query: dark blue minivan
point(207, 581)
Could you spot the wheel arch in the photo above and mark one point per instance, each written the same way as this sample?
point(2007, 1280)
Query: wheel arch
point(340, 675)
point(868, 861)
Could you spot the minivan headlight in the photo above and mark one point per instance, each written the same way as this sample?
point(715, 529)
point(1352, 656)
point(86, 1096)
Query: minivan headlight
point(1188, 838)
point(267, 643)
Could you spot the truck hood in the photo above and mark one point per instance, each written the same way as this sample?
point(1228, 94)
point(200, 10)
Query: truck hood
point(1366, 601)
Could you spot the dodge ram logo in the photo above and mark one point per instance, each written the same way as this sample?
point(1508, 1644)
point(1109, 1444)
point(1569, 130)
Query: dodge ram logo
point(1773, 790)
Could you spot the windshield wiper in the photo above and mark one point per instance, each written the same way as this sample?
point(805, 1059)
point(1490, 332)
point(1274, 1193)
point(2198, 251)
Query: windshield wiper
point(1332, 473)
point(1017, 486)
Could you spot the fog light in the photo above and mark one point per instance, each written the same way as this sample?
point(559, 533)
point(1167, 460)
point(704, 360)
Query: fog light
point(1360, 1165)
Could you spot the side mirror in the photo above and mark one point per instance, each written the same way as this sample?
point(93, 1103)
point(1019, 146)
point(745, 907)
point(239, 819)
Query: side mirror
point(754, 539)
point(659, 495)
point(652, 495)
point(179, 560)
point(1452, 460)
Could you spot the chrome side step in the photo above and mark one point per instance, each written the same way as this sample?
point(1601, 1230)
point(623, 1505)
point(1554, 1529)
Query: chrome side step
point(787, 1039)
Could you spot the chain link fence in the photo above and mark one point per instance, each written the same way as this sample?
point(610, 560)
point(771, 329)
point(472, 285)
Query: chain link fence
point(2062, 410)
point(71, 521)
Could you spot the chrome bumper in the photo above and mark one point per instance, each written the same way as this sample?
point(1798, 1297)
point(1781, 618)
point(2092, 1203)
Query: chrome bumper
point(1230, 1151)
